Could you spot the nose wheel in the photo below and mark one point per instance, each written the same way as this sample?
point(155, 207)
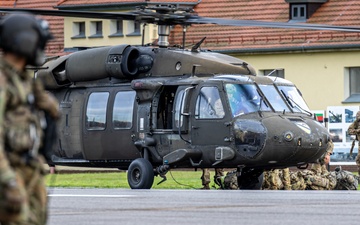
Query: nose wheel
point(140, 174)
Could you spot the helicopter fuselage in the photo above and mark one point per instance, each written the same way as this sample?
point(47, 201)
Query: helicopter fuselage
point(177, 109)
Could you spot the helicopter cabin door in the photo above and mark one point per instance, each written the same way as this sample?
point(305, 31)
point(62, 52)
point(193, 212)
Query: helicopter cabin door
point(108, 125)
point(210, 120)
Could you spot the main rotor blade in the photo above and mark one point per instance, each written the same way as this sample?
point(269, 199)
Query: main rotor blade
point(257, 23)
point(185, 18)
point(71, 13)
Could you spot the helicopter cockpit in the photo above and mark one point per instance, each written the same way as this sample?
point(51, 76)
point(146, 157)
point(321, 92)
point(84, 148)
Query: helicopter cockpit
point(280, 96)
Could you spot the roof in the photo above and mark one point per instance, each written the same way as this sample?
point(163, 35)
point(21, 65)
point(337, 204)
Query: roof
point(55, 46)
point(229, 38)
point(226, 38)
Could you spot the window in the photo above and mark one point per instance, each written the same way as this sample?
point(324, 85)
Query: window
point(96, 29)
point(208, 104)
point(133, 28)
point(352, 80)
point(78, 30)
point(116, 28)
point(123, 109)
point(179, 108)
point(96, 111)
point(298, 12)
point(273, 72)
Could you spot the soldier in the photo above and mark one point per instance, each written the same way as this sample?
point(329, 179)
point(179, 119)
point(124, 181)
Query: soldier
point(354, 129)
point(23, 107)
point(318, 177)
point(277, 179)
point(205, 178)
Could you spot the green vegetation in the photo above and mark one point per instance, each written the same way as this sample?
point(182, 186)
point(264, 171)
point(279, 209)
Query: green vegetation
point(175, 180)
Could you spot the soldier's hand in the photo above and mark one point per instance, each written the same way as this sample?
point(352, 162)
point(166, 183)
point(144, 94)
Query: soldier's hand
point(13, 196)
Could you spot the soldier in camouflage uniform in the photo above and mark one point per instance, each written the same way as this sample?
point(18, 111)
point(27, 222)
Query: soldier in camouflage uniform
point(205, 177)
point(277, 179)
point(354, 129)
point(23, 104)
point(318, 177)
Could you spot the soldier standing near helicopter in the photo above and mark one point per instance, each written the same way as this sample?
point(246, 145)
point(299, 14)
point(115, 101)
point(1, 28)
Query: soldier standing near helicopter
point(354, 129)
point(23, 106)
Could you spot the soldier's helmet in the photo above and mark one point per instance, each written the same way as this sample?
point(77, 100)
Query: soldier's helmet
point(25, 35)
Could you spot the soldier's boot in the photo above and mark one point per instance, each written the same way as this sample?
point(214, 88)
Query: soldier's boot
point(206, 187)
point(219, 181)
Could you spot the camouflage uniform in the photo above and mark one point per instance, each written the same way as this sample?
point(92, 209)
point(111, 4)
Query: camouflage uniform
point(345, 180)
point(277, 179)
point(205, 177)
point(22, 101)
point(354, 129)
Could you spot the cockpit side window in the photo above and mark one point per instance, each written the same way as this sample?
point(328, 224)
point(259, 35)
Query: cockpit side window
point(209, 104)
point(96, 111)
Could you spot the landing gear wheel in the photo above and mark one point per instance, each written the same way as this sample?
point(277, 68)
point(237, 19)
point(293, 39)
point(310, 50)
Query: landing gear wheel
point(140, 174)
point(250, 179)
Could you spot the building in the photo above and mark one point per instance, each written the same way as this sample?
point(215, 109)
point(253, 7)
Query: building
point(323, 64)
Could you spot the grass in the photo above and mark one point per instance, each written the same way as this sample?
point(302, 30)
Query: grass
point(175, 180)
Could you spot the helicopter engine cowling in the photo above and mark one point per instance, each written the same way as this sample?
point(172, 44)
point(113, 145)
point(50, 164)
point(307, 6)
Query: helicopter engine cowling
point(121, 62)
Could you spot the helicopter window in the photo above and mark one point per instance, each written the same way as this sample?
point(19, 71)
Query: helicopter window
point(123, 109)
point(294, 98)
point(274, 98)
point(96, 111)
point(179, 104)
point(243, 98)
point(208, 104)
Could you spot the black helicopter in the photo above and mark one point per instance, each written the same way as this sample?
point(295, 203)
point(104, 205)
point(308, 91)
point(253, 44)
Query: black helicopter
point(149, 109)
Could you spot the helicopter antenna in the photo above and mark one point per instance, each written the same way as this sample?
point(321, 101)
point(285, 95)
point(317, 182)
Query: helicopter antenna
point(197, 45)
point(184, 34)
point(143, 35)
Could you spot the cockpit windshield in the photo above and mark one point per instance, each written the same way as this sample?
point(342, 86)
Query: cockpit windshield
point(274, 98)
point(294, 98)
point(244, 98)
point(247, 98)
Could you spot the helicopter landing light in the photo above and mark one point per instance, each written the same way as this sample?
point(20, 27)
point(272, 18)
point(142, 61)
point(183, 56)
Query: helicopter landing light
point(178, 66)
point(288, 136)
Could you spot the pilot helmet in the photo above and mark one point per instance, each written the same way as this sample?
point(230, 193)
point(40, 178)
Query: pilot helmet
point(25, 35)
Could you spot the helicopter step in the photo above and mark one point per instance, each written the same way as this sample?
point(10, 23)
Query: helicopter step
point(181, 154)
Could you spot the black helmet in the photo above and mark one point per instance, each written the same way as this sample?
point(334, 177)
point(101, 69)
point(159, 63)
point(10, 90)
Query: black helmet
point(25, 35)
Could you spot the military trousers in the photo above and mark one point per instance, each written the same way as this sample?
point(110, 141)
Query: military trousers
point(30, 177)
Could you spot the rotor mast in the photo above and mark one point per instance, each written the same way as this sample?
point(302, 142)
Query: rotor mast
point(163, 32)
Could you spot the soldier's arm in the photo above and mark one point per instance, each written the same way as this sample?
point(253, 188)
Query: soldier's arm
point(45, 101)
point(6, 173)
point(353, 128)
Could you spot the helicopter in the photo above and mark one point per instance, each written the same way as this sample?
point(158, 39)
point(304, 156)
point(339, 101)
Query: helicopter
point(150, 109)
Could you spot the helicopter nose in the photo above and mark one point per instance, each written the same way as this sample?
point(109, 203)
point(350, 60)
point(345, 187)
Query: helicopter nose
point(295, 140)
point(280, 140)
